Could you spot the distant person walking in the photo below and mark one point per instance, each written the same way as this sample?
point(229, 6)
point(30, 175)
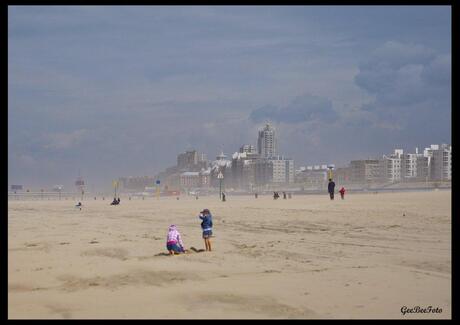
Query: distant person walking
point(223, 196)
point(256, 195)
point(206, 227)
point(330, 188)
point(342, 192)
point(284, 195)
point(174, 243)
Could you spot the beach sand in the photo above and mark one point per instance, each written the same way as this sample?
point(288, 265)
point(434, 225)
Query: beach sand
point(307, 257)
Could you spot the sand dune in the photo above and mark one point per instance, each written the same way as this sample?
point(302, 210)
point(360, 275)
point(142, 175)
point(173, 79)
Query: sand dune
point(307, 257)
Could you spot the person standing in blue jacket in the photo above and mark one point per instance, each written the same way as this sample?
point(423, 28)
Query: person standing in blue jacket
point(206, 226)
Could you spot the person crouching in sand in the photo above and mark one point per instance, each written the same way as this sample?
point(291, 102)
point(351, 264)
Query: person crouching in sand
point(174, 242)
point(206, 226)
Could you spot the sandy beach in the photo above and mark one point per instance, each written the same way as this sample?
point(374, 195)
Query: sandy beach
point(307, 257)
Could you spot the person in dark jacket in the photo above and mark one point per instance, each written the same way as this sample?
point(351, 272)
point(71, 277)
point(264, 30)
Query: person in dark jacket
point(206, 226)
point(330, 188)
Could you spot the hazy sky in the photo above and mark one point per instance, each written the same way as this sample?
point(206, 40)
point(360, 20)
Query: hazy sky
point(120, 90)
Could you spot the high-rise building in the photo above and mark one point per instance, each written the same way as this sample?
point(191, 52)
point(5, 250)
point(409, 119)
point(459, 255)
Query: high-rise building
point(441, 163)
point(423, 168)
point(243, 169)
point(390, 166)
point(415, 166)
point(409, 166)
point(266, 142)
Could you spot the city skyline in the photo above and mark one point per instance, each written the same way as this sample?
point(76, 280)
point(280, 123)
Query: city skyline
point(113, 90)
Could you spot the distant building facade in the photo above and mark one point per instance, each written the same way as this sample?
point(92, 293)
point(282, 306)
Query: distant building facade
point(390, 166)
point(191, 161)
point(263, 169)
point(365, 171)
point(190, 179)
point(201, 179)
point(137, 182)
point(248, 148)
point(243, 169)
point(283, 169)
point(313, 176)
point(441, 162)
point(409, 166)
point(343, 175)
point(423, 168)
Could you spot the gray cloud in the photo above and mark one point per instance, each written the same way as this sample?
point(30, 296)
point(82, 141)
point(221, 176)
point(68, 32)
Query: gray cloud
point(306, 108)
point(66, 140)
point(404, 79)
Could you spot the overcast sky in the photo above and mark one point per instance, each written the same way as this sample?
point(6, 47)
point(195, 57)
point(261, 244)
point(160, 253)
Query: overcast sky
point(119, 90)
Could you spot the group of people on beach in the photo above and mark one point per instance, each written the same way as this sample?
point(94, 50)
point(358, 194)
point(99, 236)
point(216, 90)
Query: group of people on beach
point(174, 243)
point(115, 201)
point(276, 195)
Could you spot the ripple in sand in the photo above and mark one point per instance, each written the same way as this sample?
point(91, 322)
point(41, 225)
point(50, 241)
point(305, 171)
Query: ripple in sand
point(259, 305)
point(134, 278)
point(112, 252)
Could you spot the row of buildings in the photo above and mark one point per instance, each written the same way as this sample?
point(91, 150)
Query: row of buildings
point(434, 164)
point(246, 169)
point(254, 167)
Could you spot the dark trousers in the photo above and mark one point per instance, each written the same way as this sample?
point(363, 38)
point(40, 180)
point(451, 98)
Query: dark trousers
point(331, 194)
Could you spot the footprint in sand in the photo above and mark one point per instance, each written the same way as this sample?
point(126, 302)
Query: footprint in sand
point(111, 252)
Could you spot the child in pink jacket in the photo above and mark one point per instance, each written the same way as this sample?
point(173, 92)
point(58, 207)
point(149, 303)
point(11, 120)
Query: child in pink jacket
point(174, 242)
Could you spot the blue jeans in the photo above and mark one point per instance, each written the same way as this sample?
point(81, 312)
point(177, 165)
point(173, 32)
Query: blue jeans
point(174, 247)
